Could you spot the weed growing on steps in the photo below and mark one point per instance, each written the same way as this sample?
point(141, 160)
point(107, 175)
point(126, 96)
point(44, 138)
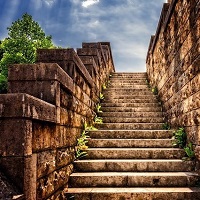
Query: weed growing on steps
point(189, 152)
point(180, 141)
point(155, 90)
point(82, 141)
point(148, 84)
point(101, 96)
point(104, 86)
point(166, 126)
point(98, 108)
point(180, 137)
point(98, 120)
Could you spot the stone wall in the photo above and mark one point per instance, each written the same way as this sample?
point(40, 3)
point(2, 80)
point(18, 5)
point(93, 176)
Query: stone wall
point(173, 66)
point(43, 114)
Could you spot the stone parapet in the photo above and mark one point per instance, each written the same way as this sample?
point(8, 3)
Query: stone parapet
point(43, 114)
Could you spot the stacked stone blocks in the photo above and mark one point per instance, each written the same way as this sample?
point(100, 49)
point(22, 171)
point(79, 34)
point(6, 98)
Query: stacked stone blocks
point(43, 114)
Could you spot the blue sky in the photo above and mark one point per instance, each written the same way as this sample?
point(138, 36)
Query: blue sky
point(126, 24)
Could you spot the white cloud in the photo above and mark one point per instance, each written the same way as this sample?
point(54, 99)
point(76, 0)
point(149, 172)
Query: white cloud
point(88, 3)
point(128, 25)
point(49, 2)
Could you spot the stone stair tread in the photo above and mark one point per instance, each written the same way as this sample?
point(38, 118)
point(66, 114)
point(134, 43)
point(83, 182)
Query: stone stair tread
point(120, 119)
point(157, 174)
point(134, 153)
point(130, 126)
point(135, 149)
point(130, 96)
point(131, 109)
point(132, 160)
point(133, 179)
point(130, 142)
point(134, 165)
point(131, 134)
point(134, 189)
point(130, 105)
point(148, 114)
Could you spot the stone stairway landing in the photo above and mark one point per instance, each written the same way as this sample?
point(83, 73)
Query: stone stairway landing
point(130, 156)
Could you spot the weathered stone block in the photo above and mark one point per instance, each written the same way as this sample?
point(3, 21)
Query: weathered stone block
point(16, 137)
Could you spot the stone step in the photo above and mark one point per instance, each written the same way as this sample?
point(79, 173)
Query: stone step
point(129, 75)
point(135, 153)
point(131, 134)
point(130, 126)
point(152, 100)
point(129, 105)
point(118, 97)
point(123, 92)
point(131, 81)
point(120, 119)
point(114, 78)
point(129, 86)
point(130, 143)
point(133, 179)
point(134, 165)
point(131, 114)
point(136, 193)
point(131, 109)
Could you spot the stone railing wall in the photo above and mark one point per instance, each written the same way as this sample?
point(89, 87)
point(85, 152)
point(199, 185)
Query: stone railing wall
point(173, 66)
point(43, 114)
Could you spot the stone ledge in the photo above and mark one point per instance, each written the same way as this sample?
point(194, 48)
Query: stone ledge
point(56, 55)
point(19, 105)
point(40, 72)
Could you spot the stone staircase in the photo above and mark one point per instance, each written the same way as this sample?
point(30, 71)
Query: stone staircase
point(130, 156)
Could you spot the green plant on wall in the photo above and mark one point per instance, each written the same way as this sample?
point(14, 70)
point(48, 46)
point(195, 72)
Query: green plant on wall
point(148, 84)
point(166, 126)
point(83, 140)
point(155, 90)
point(98, 120)
point(99, 108)
point(180, 138)
point(101, 96)
point(104, 86)
point(189, 151)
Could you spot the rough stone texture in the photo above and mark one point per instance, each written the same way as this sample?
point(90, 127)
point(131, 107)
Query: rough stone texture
point(173, 66)
point(127, 156)
point(43, 114)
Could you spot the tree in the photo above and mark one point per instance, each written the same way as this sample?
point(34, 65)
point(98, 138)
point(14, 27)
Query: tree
point(25, 37)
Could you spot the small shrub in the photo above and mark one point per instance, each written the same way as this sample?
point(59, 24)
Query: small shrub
point(180, 138)
point(166, 126)
point(99, 108)
point(155, 90)
point(98, 120)
point(101, 96)
point(104, 86)
point(189, 151)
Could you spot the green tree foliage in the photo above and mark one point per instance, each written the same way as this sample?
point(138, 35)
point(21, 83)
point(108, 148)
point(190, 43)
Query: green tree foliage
point(25, 37)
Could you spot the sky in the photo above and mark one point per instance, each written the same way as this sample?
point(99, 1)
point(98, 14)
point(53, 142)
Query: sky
point(126, 24)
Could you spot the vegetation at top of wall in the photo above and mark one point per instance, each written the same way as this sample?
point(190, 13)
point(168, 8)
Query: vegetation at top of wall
point(25, 36)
